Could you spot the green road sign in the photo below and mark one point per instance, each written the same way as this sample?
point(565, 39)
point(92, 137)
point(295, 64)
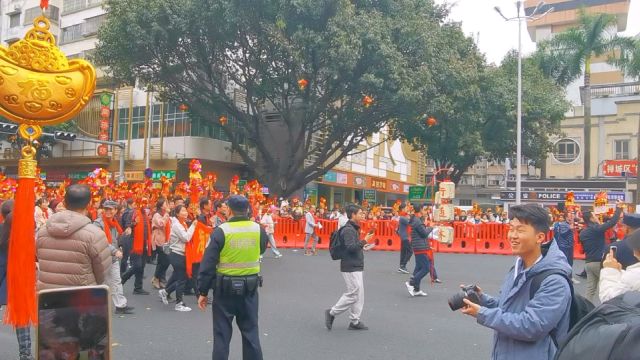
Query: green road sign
point(370, 195)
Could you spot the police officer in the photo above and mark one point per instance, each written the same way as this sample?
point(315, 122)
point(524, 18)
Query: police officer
point(231, 267)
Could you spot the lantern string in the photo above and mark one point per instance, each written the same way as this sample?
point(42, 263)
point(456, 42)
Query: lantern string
point(44, 4)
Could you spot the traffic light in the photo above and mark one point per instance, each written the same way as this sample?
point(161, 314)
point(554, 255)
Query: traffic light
point(9, 128)
point(61, 135)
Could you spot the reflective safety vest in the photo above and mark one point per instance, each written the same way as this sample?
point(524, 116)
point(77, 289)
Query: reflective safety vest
point(240, 254)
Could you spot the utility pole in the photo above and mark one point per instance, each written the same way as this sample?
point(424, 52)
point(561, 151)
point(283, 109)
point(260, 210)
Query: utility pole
point(520, 18)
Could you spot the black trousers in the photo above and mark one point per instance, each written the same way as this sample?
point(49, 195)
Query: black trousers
point(405, 253)
point(137, 269)
point(125, 244)
point(179, 276)
point(163, 264)
point(245, 310)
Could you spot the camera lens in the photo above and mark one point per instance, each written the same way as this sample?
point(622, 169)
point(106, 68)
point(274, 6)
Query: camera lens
point(456, 301)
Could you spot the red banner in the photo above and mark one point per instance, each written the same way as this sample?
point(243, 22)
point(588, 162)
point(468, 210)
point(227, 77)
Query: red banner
point(618, 167)
point(194, 250)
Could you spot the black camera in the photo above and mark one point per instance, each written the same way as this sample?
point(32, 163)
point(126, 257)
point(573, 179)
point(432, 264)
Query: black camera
point(470, 292)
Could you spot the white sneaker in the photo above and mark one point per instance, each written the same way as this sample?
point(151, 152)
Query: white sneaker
point(163, 296)
point(419, 293)
point(409, 288)
point(182, 308)
point(278, 256)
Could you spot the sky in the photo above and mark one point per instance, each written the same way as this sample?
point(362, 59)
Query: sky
point(495, 37)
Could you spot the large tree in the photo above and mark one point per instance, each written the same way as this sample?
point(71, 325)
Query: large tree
point(477, 116)
point(194, 51)
point(568, 55)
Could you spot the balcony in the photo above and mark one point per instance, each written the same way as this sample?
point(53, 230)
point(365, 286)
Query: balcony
point(612, 90)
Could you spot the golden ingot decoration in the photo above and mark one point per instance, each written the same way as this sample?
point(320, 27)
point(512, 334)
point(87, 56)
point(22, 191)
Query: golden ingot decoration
point(38, 85)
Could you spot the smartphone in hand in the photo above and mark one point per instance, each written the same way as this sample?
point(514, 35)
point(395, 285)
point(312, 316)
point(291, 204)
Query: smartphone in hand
point(74, 323)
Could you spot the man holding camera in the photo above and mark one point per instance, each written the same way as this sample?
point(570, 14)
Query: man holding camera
point(527, 326)
point(231, 266)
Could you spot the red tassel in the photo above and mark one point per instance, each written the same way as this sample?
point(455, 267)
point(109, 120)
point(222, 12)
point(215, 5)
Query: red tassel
point(21, 271)
point(44, 4)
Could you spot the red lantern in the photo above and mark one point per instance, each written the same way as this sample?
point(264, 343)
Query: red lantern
point(431, 121)
point(183, 107)
point(302, 84)
point(223, 120)
point(367, 101)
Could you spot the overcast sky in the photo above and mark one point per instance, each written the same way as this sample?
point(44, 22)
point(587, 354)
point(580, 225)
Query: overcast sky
point(496, 36)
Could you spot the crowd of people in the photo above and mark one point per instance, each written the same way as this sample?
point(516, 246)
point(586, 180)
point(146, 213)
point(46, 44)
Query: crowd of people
point(114, 241)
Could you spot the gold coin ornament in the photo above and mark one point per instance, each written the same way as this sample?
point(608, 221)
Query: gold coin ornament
point(38, 85)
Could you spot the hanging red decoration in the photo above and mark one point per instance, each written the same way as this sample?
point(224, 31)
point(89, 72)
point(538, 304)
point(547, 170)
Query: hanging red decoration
point(367, 101)
point(183, 107)
point(44, 4)
point(302, 84)
point(223, 120)
point(431, 121)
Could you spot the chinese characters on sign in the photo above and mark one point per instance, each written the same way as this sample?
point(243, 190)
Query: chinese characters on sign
point(584, 196)
point(379, 184)
point(620, 168)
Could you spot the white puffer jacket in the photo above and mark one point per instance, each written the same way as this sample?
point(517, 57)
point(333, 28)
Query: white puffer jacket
point(614, 282)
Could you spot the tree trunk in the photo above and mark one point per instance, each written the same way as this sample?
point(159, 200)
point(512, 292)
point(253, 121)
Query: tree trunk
point(586, 149)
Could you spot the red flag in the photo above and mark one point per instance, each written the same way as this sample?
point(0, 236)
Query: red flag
point(44, 4)
point(195, 248)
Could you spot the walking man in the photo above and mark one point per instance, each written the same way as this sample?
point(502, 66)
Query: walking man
point(420, 244)
point(310, 231)
point(403, 231)
point(113, 231)
point(140, 226)
point(231, 267)
point(351, 267)
point(592, 238)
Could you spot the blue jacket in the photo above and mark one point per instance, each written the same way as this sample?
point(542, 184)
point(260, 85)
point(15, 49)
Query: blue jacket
point(403, 228)
point(523, 327)
point(563, 234)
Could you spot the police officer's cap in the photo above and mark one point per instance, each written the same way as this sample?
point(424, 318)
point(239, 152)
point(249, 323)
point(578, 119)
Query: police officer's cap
point(633, 240)
point(632, 220)
point(238, 203)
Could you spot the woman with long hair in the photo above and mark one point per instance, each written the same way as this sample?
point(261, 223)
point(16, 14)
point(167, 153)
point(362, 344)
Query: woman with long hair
point(161, 225)
point(23, 333)
point(181, 234)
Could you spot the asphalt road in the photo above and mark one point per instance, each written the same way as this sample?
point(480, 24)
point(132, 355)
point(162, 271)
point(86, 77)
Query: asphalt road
point(296, 292)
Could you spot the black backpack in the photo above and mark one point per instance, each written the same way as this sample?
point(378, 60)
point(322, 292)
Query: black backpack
point(336, 245)
point(611, 331)
point(580, 306)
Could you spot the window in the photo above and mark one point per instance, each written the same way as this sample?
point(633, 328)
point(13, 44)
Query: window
point(566, 151)
point(123, 124)
point(93, 2)
point(52, 13)
point(14, 20)
point(137, 123)
point(92, 25)
point(621, 149)
point(466, 202)
point(71, 33)
point(72, 5)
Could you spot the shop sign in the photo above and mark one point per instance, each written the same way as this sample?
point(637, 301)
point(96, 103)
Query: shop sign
point(533, 195)
point(379, 184)
point(330, 176)
point(265, 190)
point(105, 99)
point(78, 175)
point(360, 181)
point(370, 195)
point(157, 174)
point(591, 196)
point(620, 168)
point(341, 178)
point(56, 175)
point(131, 176)
point(395, 186)
point(241, 184)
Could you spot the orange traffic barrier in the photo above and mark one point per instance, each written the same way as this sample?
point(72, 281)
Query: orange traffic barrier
point(386, 237)
point(492, 239)
point(288, 233)
point(464, 239)
point(324, 234)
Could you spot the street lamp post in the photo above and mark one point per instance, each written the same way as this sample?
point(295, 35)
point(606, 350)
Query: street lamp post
point(520, 18)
